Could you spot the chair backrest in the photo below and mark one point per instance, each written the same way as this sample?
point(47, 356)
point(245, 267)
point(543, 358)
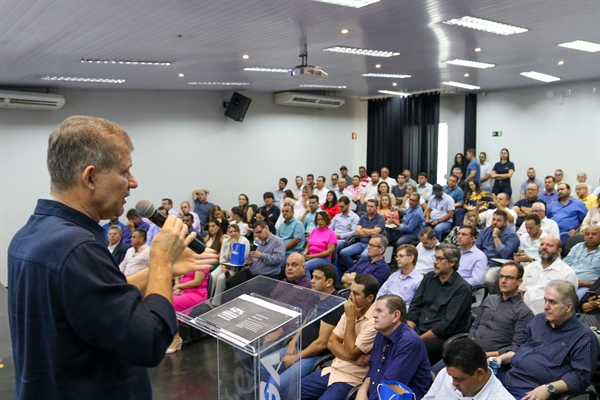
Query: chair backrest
point(362, 207)
point(345, 293)
point(572, 241)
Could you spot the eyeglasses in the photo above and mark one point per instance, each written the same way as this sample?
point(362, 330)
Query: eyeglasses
point(257, 232)
point(438, 259)
point(507, 277)
point(372, 245)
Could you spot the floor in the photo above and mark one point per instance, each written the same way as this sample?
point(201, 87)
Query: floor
point(190, 373)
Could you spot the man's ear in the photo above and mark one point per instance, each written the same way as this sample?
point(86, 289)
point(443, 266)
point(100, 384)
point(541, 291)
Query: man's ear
point(88, 177)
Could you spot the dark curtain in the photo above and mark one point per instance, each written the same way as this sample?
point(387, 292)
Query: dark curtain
point(470, 122)
point(403, 133)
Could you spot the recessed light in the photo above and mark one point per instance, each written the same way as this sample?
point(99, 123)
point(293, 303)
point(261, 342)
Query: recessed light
point(394, 84)
point(126, 62)
point(220, 83)
point(267, 69)
point(486, 25)
point(361, 52)
point(540, 77)
point(472, 64)
point(377, 65)
point(344, 31)
point(582, 45)
point(467, 75)
point(245, 56)
point(477, 49)
point(461, 85)
point(394, 93)
point(324, 86)
point(371, 75)
point(561, 62)
point(87, 80)
point(349, 3)
point(181, 75)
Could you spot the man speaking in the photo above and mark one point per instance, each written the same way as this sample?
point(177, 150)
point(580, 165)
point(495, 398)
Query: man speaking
point(79, 328)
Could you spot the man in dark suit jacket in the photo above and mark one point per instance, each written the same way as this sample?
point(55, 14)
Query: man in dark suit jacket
point(116, 247)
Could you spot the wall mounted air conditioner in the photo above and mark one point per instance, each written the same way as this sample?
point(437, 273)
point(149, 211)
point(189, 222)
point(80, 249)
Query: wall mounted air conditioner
point(30, 100)
point(297, 99)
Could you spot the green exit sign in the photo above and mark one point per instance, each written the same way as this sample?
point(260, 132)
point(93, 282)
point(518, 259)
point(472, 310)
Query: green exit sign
point(497, 133)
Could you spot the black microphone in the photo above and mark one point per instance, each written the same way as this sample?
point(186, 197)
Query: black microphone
point(146, 209)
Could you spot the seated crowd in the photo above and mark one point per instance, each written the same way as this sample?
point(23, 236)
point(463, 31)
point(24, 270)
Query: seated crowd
point(448, 242)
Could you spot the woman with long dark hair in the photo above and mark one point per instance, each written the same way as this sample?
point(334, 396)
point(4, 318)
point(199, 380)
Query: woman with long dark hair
point(502, 172)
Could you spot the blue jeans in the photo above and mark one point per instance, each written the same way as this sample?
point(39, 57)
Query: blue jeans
point(288, 376)
point(406, 238)
point(311, 264)
point(441, 227)
point(347, 253)
point(314, 386)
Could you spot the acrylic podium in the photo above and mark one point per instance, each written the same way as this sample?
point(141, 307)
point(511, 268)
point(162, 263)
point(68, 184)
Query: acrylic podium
point(257, 319)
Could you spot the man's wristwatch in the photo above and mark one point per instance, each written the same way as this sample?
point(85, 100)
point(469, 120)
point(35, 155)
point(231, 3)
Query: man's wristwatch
point(550, 387)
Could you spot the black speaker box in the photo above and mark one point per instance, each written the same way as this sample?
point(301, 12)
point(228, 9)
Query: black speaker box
point(237, 107)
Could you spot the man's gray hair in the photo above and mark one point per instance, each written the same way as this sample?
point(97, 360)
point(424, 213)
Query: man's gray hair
point(116, 227)
point(456, 169)
point(451, 252)
point(383, 241)
point(79, 142)
point(568, 293)
point(539, 204)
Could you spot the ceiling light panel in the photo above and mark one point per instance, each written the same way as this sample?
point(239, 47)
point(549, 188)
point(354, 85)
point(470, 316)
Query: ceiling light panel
point(486, 25)
point(126, 62)
point(361, 52)
point(86, 80)
point(472, 64)
point(398, 76)
point(349, 3)
point(540, 77)
point(394, 93)
point(582, 45)
point(220, 83)
point(461, 85)
point(267, 69)
point(324, 86)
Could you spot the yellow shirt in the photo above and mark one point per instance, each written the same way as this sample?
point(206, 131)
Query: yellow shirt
point(590, 201)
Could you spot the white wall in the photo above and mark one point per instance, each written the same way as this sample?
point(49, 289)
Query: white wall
point(541, 133)
point(183, 142)
point(452, 112)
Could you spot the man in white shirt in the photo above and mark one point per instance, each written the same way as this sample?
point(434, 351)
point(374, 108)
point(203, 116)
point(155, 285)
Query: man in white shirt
point(298, 189)
point(466, 375)
point(344, 224)
point(541, 272)
point(426, 249)
point(548, 226)
point(486, 172)
point(320, 190)
point(501, 201)
point(138, 255)
point(334, 181)
point(385, 177)
point(370, 191)
point(530, 241)
point(340, 190)
point(168, 205)
point(582, 178)
point(424, 188)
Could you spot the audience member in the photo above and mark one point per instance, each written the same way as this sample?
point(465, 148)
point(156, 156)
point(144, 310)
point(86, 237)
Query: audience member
point(558, 177)
point(426, 249)
point(344, 224)
point(412, 223)
point(237, 218)
point(299, 185)
point(356, 190)
point(373, 265)
point(464, 185)
point(407, 279)
point(403, 354)
point(223, 272)
point(313, 337)
point(548, 226)
point(473, 170)
point(410, 189)
point(442, 305)
point(531, 179)
point(371, 223)
point(188, 219)
point(399, 190)
point(567, 212)
point(334, 181)
point(320, 190)
point(468, 373)
point(452, 190)
point(364, 178)
point(583, 194)
point(201, 204)
point(351, 342)
point(523, 206)
point(549, 195)
point(137, 256)
point(486, 172)
point(301, 204)
point(321, 243)
point(308, 219)
point(592, 217)
point(266, 259)
point(460, 163)
point(345, 176)
point(134, 221)
point(406, 174)
point(331, 205)
point(340, 190)
point(370, 191)
point(261, 215)
point(168, 205)
point(186, 209)
point(582, 178)
point(291, 231)
point(558, 353)
point(590, 305)
point(117, 248)
point(385, 177)
point(471, 219)
point(214, 238)
point(424, 188)
point(476, 195)
point(387, 211)
point(548, 268)
point(500, 203)
point(272, 211)
point(278, 194)
point(125, 233)
point(501, 173)
point(584, 259)
point(439, 212)
point(530, 241)
point(384, 189)
point(473, 262)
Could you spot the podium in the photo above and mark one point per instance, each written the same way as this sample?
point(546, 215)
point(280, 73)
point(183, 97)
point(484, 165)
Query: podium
point(257, 319)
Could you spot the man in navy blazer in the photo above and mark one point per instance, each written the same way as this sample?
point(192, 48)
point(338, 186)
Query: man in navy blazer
point(115, 246)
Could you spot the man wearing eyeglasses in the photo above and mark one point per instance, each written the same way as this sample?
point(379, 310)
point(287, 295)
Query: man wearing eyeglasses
point(373, 265)
point(523, 206)
point(407, 279)
point(442, 305)
point(398, 353)
point(548, 226)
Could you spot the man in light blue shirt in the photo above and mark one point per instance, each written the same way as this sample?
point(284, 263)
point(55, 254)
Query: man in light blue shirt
point(473, 169)
point(584, 258)
point(407, 279)
point(411, 225)
point(291, 231)
point(440, 210)
point(473, 262)
point(278, 194)
point(308, 219)
point(344, 224)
